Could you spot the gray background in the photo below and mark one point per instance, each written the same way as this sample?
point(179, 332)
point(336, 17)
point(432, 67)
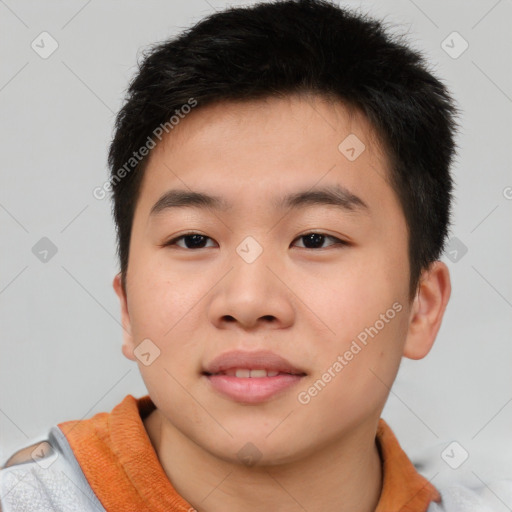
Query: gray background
point(60, 333)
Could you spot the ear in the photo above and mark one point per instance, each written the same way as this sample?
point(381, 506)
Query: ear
point(127, 347)
point(427, 310)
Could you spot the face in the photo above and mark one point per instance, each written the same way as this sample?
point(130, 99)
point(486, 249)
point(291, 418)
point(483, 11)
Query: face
point(296, 264)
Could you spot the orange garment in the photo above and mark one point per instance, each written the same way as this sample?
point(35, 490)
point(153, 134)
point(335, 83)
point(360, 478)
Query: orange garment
point(122, 467)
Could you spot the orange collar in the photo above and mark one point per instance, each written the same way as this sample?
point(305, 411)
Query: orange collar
point(122, 467)
point(403, 488)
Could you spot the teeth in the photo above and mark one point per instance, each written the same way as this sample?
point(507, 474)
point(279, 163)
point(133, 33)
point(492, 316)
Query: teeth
point(244, 373)
point(258, 373)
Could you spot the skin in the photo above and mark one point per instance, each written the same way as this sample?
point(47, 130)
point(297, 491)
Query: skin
point(305, 304)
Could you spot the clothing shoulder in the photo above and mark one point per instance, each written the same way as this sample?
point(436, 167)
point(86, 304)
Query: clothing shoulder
point(19, 457)
point(46, 476)
point(459, 498)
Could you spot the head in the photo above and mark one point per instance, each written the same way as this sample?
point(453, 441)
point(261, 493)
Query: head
point(327, 142)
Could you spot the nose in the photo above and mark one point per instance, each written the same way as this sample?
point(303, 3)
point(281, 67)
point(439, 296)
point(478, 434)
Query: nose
point(252, 296)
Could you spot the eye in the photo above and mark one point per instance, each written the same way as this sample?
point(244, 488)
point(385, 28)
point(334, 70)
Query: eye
point(316, 240)
point(198, 241)
point(190, 241)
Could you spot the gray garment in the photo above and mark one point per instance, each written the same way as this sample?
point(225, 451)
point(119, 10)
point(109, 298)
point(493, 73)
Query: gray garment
point(458, 498)
point(52, 481)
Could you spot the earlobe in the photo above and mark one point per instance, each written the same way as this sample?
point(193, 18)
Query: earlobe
point(127, 347)
point(427, 310)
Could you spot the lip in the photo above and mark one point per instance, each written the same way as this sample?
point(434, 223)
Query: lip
point(261, 359)
point(251, 390)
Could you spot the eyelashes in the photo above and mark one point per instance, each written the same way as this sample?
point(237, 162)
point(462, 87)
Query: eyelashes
point(314, 238)
point(195, 241)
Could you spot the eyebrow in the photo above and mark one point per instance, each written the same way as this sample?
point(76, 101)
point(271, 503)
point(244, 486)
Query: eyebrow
point(334, 195)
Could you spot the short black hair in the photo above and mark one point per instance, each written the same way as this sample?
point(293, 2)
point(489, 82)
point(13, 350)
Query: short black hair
point(279, 48)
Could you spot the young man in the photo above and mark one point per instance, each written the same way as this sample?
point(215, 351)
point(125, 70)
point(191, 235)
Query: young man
point(281, 187)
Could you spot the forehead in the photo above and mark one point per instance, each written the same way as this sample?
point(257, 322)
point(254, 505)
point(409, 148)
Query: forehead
point(245, 150)
point(297, 118)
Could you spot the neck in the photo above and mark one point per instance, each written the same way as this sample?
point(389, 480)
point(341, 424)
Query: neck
point(341, 477)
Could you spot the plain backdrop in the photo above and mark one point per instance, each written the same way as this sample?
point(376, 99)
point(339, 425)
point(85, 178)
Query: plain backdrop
point(60, 333)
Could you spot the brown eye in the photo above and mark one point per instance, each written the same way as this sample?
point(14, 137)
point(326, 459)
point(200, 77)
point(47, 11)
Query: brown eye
point(316, 240)
point(190, 241)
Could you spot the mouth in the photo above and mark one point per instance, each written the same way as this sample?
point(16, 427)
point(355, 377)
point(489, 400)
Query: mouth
point(247, 373)
point(251, 377)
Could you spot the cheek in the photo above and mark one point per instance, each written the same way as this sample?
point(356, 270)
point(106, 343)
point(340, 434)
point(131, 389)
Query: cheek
point(364, 304)
point(357, 369)
point(162, 297)
point(162, 310)
point(354, 294)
